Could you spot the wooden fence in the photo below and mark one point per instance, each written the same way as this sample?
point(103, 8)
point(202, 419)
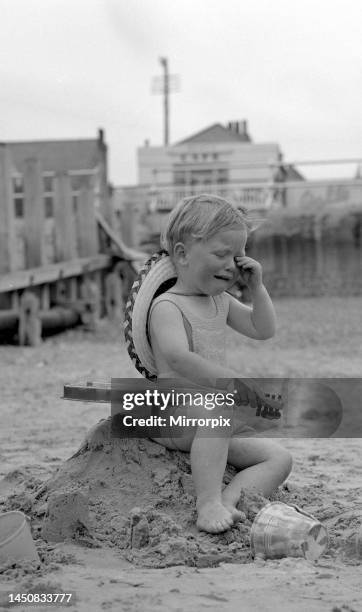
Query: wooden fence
point(58, 255)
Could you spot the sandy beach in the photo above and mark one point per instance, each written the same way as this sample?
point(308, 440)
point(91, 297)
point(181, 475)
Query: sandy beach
point(39, 431)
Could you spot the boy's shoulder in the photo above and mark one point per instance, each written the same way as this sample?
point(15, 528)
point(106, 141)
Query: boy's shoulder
point(168, 312)
point(185, 307)
point(176, 298)
point(222, 301)
point(165, 299)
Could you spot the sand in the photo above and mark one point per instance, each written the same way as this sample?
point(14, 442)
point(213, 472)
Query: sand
point(142, 552)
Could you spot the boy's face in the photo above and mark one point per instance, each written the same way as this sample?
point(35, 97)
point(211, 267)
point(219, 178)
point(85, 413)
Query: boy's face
point(209, 267)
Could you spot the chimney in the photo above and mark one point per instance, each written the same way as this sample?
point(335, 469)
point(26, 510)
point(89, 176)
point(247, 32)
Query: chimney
point(240, 128)
point(243, 127)
point(101, 135)
point(233, 126)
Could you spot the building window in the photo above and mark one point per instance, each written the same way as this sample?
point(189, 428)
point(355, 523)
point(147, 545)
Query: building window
point(76, 182)
point(18, 196)
point(201, 177)
point(222, 175)
point(48, 196)
point(179, 178)
point(49, 207)
point(18, 184)
point(19, 207)
point(48, 184)
point(215, 156)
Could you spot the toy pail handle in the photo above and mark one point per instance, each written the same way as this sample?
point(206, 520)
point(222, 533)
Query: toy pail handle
point(303, 512)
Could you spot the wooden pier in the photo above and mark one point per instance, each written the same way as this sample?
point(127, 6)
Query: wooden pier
point(62, 261)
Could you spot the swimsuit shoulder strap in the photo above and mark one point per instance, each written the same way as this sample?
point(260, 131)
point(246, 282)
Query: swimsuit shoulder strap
point(186, 322)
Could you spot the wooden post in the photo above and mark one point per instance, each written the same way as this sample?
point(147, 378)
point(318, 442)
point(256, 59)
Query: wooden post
point(64, 219)
point(29, 320)
point(34, 214)
point(15, 300)
point(98, 277)
point(129, 221)
point(61, 293)
point(86, 221)
point(127, 277)
point(90, 300)
point(7, 229)
point(317, 235)
point(105, 195)
point(113, 296)
point(45, 297)
point(73, 289)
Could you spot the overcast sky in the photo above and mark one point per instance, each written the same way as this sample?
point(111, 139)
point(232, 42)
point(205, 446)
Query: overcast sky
point(293, 69)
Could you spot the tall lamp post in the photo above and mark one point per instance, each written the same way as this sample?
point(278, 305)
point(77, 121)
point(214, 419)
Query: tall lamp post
point(165, 85)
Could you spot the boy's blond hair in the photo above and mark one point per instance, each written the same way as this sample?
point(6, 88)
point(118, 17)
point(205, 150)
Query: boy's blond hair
point(200, 217)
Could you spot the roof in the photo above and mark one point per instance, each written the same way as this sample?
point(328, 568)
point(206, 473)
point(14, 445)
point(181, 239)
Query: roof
point(57, 155)
point(288, 172)
point(215, 133)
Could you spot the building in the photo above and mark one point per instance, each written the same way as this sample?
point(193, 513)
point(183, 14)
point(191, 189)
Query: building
point(218, 159)
point(217, 155)
point(36, 179)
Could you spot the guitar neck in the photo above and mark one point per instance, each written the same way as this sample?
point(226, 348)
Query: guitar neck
point(88, 392)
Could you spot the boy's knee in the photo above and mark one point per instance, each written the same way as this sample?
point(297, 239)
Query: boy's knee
point(281, 458)
point(285, 461)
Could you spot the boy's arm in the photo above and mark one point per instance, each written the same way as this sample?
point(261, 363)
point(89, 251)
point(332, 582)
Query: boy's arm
point(169, 337)
point(257, 322)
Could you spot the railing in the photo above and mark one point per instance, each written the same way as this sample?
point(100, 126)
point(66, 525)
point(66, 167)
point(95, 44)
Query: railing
point(256, 196)
point(250, 195)
point(163, 198)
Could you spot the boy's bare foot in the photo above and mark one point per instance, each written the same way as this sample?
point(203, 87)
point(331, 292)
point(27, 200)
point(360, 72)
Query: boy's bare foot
point(213, 517)
point(235, 513)
point(251, 502)
point(230, 504)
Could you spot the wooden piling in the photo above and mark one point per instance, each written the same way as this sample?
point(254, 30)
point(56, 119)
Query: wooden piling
point(45, 297)
point(317, 234)
point(73, 289)
point(34, 214)
point(64, 219)
point(15, 300)
point(7, 225)
point(90, 304)
point(87, 238)
point(29, 320)
point(113, 297)
point(61, 293)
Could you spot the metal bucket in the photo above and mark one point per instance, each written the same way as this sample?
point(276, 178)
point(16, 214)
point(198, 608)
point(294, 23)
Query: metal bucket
point(16, 542)
point(280, 530)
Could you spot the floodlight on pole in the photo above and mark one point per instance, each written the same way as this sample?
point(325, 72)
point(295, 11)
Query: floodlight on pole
point(165, 85)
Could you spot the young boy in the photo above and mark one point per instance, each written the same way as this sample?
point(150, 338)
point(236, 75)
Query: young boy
point(205, 238)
